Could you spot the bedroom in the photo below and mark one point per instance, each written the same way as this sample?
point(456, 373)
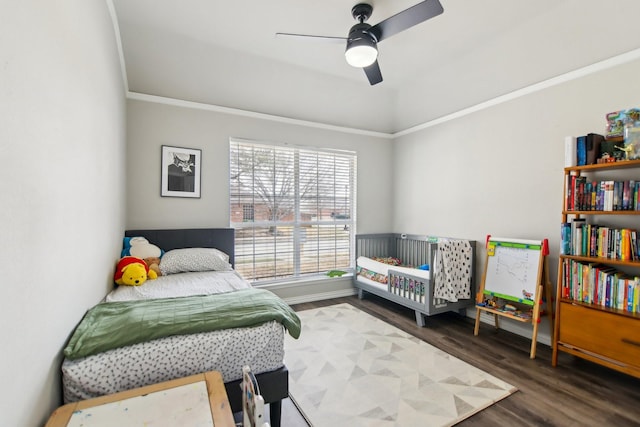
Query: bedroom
point(87, 172)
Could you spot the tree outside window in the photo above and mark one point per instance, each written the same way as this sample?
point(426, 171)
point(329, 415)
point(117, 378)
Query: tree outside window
point(302, 201)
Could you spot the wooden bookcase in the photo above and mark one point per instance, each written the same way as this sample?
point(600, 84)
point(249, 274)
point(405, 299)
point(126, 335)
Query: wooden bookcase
point(584, 327)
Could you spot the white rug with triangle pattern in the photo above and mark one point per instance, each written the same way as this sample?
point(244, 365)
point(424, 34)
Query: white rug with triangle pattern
point(349, 368)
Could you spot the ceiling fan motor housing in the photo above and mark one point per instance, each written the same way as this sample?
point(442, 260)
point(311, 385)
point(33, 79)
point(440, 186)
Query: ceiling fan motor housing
point(361, 31)
point(362, 11)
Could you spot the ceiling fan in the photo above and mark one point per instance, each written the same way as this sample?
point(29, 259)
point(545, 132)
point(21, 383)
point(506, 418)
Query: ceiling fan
point(361, 43)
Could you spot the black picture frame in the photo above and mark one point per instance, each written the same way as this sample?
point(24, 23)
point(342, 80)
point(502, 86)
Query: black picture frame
point(180, 172)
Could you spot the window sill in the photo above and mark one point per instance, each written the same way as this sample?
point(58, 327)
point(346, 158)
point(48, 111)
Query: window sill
point(296, 282)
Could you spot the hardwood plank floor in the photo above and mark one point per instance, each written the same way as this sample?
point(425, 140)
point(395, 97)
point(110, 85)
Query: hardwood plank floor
point(576, 393)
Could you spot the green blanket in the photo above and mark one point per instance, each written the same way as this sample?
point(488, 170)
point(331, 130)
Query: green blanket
point(117, 324)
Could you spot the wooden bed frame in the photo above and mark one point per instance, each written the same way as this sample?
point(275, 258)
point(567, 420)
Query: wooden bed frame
point(274, 385)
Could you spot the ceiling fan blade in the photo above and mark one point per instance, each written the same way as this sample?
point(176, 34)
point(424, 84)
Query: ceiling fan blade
point(406, 19)
point(312, 37)
point(373, 73)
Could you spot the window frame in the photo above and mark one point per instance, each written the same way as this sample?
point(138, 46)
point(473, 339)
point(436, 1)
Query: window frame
point(326, 221)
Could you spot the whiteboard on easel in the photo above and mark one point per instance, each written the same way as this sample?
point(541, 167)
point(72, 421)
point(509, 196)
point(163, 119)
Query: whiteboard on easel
point(513, 269)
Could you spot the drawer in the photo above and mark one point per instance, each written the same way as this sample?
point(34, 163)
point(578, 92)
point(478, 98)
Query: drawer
point(610, 335)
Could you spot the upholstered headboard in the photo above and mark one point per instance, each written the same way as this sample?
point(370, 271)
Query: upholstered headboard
point(219, 238)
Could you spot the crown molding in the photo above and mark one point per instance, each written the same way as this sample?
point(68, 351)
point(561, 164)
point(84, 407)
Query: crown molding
point(563, 78)
point(262, 116)
point(116, 33)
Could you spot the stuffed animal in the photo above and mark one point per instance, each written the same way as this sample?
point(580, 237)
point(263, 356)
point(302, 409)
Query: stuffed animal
point(140, 247)
point(133, 271)
point(154, 264)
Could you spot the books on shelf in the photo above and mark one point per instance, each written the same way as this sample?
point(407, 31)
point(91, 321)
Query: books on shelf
point(583, 150)
point(601, 285)
point(580, 238)
point(603, 195)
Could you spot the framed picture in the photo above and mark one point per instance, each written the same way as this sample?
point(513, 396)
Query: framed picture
point(180, 172)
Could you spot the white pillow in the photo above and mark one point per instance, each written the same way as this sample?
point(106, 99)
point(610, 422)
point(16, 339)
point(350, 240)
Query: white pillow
point(194, 259)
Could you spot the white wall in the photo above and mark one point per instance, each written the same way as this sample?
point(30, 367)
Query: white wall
point(66, 167)
point(152, 124)
point(495, 171)
point(499, 171)
point(62, 188)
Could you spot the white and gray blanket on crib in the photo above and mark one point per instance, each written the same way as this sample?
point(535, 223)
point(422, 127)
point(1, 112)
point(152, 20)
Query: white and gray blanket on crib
point(453, 265)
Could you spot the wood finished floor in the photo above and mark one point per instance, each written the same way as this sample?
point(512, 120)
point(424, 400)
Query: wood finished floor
point(576, 393)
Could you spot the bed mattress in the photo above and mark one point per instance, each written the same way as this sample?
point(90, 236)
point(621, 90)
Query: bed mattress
point(227, 351)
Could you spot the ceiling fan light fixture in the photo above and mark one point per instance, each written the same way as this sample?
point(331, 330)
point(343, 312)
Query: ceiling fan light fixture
point(361, 52)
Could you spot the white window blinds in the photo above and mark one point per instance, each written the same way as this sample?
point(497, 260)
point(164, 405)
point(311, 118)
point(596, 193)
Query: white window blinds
point(302, 205)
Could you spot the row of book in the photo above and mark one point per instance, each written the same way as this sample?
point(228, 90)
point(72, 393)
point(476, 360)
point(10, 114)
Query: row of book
point(583, 239)
point(586, 150)
point(601, 285)
point(586, 195)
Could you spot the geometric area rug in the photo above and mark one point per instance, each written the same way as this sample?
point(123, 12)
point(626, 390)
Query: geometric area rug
point(349, 368)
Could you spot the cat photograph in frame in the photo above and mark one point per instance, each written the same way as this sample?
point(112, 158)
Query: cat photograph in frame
point(180, 173)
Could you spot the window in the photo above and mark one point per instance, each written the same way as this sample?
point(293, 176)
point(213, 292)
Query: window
point(247, 213)
point(293, 209)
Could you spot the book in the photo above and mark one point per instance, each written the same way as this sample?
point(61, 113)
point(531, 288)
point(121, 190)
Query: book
point(581, 150)
point(570, 155)
point(571, 189)
point(578, 193)
point(625, 244)
point(565, 238)
point(592, 142)
point(616, 195)
point(576, 235)
point(625, 195)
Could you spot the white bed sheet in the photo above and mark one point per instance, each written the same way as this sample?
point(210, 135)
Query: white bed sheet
point(181, 285)
point(382, 268)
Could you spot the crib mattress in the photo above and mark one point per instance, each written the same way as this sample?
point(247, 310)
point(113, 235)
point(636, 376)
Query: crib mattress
point(383, 268)
point(227, 351)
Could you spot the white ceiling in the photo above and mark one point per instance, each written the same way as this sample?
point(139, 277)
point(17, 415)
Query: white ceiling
point(225, 53)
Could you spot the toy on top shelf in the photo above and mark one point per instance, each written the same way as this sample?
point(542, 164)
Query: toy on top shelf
point(623, 134)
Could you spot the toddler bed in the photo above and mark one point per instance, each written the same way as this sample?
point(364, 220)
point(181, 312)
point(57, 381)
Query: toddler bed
point(430, 275)
point(202, 316)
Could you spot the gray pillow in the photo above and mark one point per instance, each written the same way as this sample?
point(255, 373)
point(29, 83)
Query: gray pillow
point(194, 259)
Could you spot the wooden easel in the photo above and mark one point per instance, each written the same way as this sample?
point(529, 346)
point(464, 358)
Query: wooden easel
point(510, 292)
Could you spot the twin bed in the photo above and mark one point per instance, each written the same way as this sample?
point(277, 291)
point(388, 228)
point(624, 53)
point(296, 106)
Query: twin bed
point(202, 316)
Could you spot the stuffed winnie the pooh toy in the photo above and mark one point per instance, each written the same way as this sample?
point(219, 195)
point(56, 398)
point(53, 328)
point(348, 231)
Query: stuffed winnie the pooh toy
point(133, 271)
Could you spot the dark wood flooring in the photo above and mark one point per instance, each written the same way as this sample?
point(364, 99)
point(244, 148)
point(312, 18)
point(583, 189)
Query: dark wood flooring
point(575, 393)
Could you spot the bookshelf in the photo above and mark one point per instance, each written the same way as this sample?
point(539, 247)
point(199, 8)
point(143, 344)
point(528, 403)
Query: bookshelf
point(598, 288)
